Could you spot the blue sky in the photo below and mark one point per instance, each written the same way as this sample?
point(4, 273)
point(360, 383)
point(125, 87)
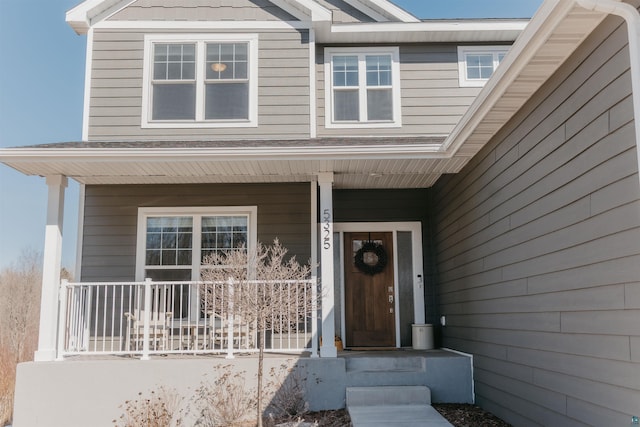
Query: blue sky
point(41, 101)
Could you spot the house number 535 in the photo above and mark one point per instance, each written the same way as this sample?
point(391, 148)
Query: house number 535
point(326, 228)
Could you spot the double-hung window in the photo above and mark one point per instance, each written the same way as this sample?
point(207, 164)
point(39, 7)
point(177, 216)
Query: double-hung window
point(477, 63)
point(362, 87)
point(173, 243)
point(200, 81)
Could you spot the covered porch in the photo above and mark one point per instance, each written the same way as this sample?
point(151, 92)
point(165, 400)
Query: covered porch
point(396, 185)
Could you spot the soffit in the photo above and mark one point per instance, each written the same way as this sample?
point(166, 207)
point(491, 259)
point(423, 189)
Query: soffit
point(207, 165)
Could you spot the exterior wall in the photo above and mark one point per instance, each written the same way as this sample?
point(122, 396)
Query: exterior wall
point(538, 243)
point(431, 97)
point(111, 213)
point(203, 10)
point(116, 90)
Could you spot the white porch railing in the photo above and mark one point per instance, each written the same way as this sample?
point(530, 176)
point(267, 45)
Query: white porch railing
point(147, 318)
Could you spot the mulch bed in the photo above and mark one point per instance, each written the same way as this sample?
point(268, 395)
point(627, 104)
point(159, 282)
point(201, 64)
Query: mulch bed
point(465, 415)
point(460, 415)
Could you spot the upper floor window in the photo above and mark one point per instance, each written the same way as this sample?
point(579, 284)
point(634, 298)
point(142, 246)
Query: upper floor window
point(477, 63)
point(362, 87)
point(200, 81)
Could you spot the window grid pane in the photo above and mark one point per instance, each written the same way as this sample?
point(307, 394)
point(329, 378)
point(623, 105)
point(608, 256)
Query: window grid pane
point(378, 70)
point(167, 241)
point(479, 66)
point(222, 233)
point(345, 71)
point(227, 61)
point(174, 61)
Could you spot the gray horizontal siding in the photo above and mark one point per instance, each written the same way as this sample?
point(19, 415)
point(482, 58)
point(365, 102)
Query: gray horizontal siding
point(203, 10)
point(116, 90)
point(431, 97)
point(111, 214)
point(538, 243)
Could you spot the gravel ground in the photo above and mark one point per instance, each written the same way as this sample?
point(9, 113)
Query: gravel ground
point(460, 415)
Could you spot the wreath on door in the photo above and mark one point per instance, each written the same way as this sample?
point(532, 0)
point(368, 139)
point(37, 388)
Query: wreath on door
point(371, 258)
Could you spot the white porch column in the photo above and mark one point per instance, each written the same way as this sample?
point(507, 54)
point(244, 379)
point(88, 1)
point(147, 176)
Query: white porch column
point(51, 270)
point(328, 348)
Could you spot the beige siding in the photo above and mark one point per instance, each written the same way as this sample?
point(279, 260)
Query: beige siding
point(431, 97)
point(116, 90)
point(202, 10)
point(111, 213)
point(538, 242)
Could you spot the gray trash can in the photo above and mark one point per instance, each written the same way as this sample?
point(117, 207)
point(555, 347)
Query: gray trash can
point(422, 336)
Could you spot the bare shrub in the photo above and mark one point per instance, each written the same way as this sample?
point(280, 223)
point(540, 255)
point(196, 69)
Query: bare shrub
point(226, 401)
point(286, 385)
point(268, 291)
point(156, 410)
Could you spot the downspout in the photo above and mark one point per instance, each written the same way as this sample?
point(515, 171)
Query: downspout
point(632, 17)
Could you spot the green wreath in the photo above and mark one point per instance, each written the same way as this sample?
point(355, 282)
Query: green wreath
point(371, 268)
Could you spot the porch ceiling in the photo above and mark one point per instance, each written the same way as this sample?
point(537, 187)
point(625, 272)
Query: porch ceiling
point(364, 163)
point(556, 30)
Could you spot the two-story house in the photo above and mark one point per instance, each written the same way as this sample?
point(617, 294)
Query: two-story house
point(480, 176)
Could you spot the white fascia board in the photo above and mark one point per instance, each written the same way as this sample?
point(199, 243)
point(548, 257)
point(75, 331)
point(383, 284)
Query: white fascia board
point(386, 7)
point(81, 17)
point(432, 26)
point(534, 36)
point(15, 156)
point(358, 4)
point(203, 25)
point(318, 12)
point(294, 10)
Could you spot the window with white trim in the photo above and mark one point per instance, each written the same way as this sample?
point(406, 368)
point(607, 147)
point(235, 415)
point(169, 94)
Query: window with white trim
point(362, 87)
point(200, 81)
point(174, 242)
point(476, 64)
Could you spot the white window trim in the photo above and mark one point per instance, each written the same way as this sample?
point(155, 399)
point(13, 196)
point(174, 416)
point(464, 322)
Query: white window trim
point(462, 62)
point(199, 39)
point(394, 51)
point(251, 212)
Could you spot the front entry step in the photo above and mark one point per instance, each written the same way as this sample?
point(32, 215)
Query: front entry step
point(401, 406)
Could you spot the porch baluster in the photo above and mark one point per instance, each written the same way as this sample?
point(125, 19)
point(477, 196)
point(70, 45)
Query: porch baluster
point(147, 319)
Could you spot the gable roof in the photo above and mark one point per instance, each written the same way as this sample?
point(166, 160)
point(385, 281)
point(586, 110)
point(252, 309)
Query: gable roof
point(90, 12)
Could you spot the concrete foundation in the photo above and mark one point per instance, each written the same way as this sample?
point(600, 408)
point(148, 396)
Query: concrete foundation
point(93, 392)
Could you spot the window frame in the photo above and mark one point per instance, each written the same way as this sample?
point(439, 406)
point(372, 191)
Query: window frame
point(200, 40)
point(251, 212)
point(463, 51)
point(362, 53)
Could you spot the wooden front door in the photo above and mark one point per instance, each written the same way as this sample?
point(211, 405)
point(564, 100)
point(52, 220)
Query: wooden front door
point(369, 299)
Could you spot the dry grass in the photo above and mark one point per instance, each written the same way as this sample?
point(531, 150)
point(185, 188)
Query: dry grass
point(7, 383)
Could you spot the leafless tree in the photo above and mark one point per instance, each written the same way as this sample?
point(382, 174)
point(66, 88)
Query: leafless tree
point(263, 287)
point(19, 315)
point(19, 305)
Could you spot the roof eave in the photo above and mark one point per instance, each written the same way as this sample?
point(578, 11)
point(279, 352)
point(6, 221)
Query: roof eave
point(551, 15)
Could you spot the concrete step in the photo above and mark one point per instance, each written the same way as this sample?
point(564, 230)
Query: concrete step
point(388, 395)
point(386, 364)
point(385, 378)
point(396, 416)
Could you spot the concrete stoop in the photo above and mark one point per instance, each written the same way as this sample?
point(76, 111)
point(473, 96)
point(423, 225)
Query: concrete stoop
point(392, 406)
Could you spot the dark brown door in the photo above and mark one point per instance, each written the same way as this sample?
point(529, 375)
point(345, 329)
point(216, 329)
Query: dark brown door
point(369, 298)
